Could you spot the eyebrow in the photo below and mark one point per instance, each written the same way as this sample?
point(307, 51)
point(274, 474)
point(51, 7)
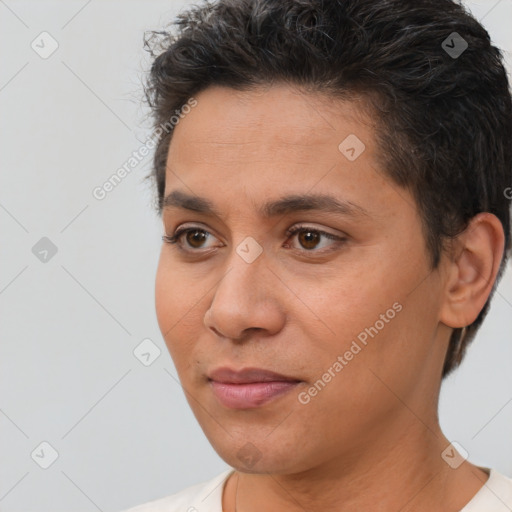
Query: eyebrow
point(281, 206)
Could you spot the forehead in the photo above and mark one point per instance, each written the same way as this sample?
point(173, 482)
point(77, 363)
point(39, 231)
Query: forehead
point(272, 142)
point(280, 115)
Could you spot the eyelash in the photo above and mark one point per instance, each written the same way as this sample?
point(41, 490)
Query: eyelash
point(174, 239)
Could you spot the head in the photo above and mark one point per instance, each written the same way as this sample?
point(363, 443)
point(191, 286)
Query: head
point(360, 101)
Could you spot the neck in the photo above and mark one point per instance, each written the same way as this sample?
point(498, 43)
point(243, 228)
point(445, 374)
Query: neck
point(402, 472)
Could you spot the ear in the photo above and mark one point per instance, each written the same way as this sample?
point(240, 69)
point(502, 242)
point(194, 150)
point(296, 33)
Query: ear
point(472, 269)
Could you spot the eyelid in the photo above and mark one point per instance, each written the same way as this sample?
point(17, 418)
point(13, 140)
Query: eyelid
point(296, 228)
point(305, 226)
point(182, 230)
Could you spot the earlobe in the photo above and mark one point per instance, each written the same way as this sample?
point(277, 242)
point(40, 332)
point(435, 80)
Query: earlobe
point(472, 270)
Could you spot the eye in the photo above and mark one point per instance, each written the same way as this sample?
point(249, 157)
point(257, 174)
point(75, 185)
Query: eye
point(309, 237)
point(191, 239)
point(194, 237)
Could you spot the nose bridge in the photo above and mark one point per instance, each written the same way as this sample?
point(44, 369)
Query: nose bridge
point(247, 274)
point(244, 298)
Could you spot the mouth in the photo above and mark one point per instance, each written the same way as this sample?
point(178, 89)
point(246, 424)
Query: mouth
point(227, 375)
point(249, 388)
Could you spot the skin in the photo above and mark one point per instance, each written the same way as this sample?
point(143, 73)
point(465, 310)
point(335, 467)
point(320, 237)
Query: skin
point(370, 439)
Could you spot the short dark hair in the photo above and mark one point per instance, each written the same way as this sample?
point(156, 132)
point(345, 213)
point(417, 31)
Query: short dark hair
point(444, 120)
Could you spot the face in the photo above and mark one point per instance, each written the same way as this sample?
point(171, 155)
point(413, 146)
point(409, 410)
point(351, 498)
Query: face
point(347, 305)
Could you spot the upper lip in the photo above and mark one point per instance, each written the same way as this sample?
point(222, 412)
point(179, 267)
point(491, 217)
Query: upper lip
point(247, 375)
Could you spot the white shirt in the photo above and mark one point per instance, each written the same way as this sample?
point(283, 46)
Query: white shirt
point(494, 496)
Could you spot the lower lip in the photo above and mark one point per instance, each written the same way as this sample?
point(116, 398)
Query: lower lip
point(249, 396)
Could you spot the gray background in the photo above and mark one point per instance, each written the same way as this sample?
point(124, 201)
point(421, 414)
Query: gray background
point(123, 431)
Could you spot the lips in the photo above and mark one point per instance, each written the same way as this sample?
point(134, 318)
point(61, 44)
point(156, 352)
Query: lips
point(249, 388)
point(247, 376)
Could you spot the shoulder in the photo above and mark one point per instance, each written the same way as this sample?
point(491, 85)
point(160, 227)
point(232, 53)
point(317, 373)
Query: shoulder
point(202, 497)
point(494, 496)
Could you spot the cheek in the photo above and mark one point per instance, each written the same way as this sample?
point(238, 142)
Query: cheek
point(165, 298)
point(365, 317)
point(340, 308)
point(171, 299)
point(179, 311)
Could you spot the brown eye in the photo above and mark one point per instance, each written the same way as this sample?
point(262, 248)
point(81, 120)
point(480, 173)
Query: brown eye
point(195, 237)
point(310, 238)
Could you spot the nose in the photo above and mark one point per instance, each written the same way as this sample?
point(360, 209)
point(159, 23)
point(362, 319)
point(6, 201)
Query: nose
point(246, 299)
